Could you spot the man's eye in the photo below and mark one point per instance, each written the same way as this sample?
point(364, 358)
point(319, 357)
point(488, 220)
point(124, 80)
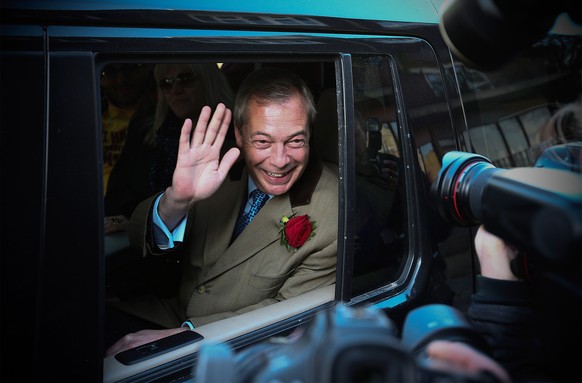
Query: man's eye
point(297, 143)
point(261, 143)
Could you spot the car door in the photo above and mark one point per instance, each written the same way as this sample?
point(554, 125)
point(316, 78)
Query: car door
point(386, 119)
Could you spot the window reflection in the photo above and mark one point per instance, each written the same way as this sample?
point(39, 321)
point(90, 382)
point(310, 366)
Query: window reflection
point(515, 116)
point(378, 234)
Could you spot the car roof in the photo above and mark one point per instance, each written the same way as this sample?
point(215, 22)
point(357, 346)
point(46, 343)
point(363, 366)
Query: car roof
point(423, 11)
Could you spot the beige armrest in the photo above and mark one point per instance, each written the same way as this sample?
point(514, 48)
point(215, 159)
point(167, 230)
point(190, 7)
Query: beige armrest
point(225, 330)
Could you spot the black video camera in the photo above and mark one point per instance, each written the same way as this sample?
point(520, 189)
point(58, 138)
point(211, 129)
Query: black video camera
point(344, 344)
point(487, 33)
point(538, 210)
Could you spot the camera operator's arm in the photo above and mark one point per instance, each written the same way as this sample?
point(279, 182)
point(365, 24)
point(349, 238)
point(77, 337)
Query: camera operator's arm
point(504, 310)
point(494, 255)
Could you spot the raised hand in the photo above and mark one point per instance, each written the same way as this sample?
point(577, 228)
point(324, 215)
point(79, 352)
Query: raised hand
point(199, 170)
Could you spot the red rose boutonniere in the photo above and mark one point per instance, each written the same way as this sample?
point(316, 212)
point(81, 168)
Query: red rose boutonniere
point(295, 231)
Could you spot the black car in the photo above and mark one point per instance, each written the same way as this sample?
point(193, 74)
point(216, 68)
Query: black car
point(388, 90)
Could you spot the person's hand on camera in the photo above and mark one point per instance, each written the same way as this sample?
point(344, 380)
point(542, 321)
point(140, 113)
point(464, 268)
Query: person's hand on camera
point(462, 359)
point(389, 173)
point(494, 255)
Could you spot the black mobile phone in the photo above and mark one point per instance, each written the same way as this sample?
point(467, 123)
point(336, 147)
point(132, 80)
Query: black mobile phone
point(158, 347)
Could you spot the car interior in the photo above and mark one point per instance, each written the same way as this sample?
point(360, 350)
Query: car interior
point(379, 240)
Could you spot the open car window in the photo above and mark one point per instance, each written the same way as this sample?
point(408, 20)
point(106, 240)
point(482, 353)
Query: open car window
point(139, 160)
point(369, 155)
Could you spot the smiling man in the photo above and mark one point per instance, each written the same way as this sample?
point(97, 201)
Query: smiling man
point(251, 233)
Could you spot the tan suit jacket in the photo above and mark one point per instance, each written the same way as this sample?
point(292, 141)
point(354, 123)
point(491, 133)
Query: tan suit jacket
point(222, 279)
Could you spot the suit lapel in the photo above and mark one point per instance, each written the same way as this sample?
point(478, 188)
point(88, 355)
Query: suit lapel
point(223, 209)
point(263, 229)
point(260, 233)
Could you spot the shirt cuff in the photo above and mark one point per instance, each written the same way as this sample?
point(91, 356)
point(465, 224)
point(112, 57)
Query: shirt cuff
point(188, 324)
point(163, 238)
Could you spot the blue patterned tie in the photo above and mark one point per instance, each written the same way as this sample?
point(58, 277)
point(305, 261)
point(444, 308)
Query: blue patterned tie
point(259, 199)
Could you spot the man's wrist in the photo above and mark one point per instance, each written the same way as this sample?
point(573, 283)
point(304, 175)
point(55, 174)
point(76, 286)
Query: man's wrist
point(172, 210)
point(188, 324)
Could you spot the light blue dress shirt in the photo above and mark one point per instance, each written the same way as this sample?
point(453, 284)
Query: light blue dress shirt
point(165, 239)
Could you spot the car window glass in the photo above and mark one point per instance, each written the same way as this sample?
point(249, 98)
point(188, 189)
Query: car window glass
point(526, 97)
point(516, 139)
point(488, 139)
point(379, 207)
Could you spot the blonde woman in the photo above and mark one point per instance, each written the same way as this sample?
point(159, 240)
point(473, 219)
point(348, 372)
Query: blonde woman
point(148, 159)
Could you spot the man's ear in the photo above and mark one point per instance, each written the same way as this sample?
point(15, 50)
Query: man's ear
point(238, 137)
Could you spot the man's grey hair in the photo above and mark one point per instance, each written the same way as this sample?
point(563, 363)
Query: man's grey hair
point(271, 85)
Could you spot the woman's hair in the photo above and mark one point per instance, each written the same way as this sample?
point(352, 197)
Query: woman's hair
point(215, 88)
point(566, 124)
point(271, 85)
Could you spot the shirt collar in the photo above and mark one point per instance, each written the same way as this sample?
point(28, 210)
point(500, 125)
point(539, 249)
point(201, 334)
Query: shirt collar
point(251, 186)
point(300, 193)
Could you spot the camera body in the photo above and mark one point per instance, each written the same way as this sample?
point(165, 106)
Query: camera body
point(344, 344)
point(486, 34)
point(538, 210)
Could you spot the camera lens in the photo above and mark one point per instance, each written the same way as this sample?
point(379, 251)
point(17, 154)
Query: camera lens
point(488, 33)
point(458, 188)
point(437, 321)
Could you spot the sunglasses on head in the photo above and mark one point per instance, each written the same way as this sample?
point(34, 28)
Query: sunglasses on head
point(185, 80)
